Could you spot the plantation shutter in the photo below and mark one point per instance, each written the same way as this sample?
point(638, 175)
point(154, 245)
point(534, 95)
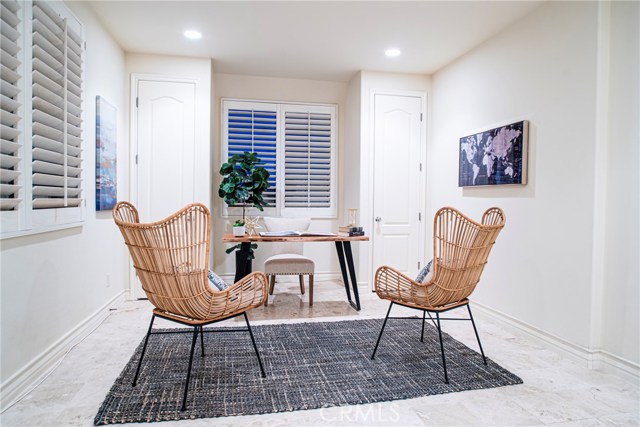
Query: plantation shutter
point(56, 109)
point(10, 143)
point(253, 128)
point(309, 150)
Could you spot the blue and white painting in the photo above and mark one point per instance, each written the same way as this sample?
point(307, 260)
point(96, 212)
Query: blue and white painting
point(494, 157)
point(106, 149)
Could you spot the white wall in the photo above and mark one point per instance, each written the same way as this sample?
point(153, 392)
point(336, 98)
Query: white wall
point(620, 315)
point(53, 282)
point(288, 90)
point(375, 81)
point(546, 69)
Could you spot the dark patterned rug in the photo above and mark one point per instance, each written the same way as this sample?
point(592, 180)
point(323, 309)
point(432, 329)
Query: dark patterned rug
point(308, 365)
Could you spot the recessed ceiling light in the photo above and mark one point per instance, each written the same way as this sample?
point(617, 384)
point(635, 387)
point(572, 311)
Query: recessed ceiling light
point(392, 52)
point(193, 34)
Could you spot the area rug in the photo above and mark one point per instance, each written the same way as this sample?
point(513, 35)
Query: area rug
point(308, 365)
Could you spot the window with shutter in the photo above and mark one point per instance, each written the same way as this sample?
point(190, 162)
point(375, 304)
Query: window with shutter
point(253, 128)
point(11, 166)
point(297, 143)
point(308, 160)
point(41, 102)
point(56, 110)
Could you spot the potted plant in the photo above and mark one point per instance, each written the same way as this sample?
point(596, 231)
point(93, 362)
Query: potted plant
point(238, 228)
point(243, 182)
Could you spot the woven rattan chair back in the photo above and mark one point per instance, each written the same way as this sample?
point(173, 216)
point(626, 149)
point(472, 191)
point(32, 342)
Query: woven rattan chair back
point(461, 247)
point(171, 257)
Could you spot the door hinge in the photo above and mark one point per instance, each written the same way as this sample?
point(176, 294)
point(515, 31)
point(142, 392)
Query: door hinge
point(420, 167)
point(137, 102)
point(420, 116)
point(419, 216)
point(136, 159)
point(418, 265)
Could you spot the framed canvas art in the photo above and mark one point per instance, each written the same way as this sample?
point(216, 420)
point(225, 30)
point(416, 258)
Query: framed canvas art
point(106, 150)
point(494, 157)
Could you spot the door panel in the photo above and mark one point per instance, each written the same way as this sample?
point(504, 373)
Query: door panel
point(396, 197)
point(165, 151)
point(166, 147)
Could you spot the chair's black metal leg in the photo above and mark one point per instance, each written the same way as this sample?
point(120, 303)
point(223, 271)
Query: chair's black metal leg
point(254, 344)
point(424, 314)
point(477, 336)
point(186, 385)
point(444, 362)
point(381, 330)
point(144, 348)
point(202, 340)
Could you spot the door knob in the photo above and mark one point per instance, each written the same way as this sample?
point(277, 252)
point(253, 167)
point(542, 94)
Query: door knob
point(378, 219)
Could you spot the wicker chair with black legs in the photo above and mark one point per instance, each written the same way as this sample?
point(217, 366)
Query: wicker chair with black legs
point(171, 258)
point(461, 247)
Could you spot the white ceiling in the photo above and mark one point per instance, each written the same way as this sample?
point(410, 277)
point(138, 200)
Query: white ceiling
point(321, 40)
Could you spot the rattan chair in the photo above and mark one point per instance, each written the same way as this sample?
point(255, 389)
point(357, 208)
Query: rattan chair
point(171, 258)
point(461, 247)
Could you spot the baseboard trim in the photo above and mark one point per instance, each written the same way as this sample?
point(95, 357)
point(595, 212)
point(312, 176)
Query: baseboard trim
point(316, 277)
point(40, 366)
point(596, 359)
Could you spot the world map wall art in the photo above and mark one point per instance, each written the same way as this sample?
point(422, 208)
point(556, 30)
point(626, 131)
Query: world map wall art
point(494, 157)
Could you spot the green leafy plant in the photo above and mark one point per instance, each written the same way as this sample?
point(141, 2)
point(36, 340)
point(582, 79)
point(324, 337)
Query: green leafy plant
point(243, 182)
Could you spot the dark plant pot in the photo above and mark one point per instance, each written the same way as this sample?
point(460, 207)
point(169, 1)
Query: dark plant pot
point(247, 265)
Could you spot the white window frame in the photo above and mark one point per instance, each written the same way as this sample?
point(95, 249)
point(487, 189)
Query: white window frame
point(25, 219)
point(281, 107)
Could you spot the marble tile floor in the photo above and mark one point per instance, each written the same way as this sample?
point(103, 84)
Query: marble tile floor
point(557, 390)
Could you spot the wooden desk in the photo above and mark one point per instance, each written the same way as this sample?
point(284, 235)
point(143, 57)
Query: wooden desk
point(343, 247)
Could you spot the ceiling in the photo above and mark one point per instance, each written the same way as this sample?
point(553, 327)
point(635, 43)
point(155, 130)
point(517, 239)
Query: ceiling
point(321, 40)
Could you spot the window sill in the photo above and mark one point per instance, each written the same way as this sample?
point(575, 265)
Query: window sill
point(24, 233)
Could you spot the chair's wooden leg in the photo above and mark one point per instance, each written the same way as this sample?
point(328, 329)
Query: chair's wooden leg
point(272, 283)
point(186, 384)
point(310, 290)
point(381, 331)
point(144, 348)
point(301, 278)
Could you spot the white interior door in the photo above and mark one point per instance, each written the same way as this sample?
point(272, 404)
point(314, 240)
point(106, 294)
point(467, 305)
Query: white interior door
point(397, 196)
point(165, 150)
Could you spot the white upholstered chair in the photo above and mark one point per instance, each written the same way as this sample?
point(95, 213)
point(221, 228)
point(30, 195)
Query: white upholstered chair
point(287, 257)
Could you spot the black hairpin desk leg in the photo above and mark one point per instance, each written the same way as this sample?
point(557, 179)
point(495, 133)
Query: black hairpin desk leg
point(344, 251)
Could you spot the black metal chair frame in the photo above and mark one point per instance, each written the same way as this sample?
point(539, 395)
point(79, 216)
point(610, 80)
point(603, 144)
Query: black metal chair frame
point(197, 329)
point(436, 323)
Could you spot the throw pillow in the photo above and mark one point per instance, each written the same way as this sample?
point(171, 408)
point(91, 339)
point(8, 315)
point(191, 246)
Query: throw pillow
point(425, 274)
point(216, 281)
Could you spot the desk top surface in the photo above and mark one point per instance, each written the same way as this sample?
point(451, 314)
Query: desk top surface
point(228, 237)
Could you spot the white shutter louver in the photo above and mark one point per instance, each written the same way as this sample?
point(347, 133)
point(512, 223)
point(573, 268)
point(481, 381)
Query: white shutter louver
point(56, 110)
point(308, 145)
point(255, 130)
point(10, 143)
